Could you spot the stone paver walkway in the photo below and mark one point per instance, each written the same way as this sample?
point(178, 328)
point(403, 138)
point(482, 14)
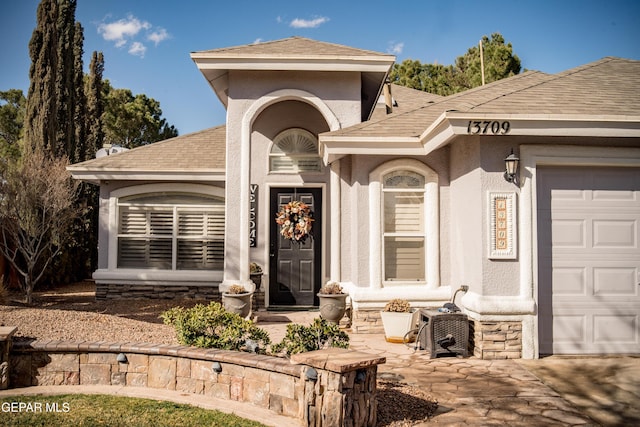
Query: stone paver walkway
point(473, 392)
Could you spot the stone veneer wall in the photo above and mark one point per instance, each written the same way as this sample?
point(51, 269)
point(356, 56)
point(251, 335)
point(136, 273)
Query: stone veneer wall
point(496, 340)
point(367, 322)
point(124, 291)
point(211, 293)
point(331, 388)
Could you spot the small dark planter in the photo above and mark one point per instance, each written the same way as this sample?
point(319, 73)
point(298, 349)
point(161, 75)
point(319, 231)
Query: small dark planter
point(257, 279)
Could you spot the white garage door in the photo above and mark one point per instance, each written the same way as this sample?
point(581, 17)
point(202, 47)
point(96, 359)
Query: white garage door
point(588, 260)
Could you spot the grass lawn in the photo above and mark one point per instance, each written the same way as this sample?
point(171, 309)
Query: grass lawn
point(103, 410)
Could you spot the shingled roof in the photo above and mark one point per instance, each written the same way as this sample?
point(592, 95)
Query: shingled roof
point(404, 100)
point(202, 153)
point(610, 86)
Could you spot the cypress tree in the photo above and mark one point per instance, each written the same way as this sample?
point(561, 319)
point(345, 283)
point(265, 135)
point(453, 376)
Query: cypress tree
point(54, 96)
point(95, 105)
point(55, 119)
point(41, 114)
point(65, 80)
point(80, 113)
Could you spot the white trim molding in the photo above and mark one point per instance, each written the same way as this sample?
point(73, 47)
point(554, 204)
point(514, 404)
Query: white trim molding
point(450, 124)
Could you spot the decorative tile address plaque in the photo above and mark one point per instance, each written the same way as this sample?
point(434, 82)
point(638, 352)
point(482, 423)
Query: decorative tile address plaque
point(502, 227)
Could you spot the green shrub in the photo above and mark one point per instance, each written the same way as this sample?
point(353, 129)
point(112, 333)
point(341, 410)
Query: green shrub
point(320, 334)
point(211, 326)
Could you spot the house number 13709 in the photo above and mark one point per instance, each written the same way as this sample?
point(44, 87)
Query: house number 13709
point(495, 127)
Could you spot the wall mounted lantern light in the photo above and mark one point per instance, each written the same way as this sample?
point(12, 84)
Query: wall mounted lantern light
point(511, 166)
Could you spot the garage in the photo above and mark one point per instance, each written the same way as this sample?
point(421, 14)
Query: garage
point(588, 260)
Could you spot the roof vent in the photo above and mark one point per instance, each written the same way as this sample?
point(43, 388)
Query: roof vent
point(109, 149)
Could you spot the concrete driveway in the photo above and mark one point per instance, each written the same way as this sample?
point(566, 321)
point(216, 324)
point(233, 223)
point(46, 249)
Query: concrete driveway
point(607, 389)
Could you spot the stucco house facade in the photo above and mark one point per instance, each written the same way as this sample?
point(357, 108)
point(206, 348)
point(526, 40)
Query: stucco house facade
point(408, 193)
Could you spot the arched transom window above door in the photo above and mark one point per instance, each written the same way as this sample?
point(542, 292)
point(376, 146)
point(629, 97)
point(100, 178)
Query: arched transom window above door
point(294, 150)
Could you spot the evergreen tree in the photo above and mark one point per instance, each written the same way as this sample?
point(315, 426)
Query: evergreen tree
point(12, 107)
point(95, 105)
point(55, 122)
point(65, 80)
point(54, 99)
point(89, 194)
point(80, 119)
point(499, 62)
point(41, 114)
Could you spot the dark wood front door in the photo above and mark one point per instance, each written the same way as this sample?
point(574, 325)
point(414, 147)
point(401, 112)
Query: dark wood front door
point(295, 267)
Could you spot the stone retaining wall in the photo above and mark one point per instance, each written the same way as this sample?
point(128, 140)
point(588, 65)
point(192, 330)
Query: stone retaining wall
point(308, 387)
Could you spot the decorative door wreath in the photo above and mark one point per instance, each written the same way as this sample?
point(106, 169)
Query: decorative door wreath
point(295, 220)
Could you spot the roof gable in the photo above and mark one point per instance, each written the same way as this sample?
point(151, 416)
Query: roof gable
point(292, 47)
point(297, 54)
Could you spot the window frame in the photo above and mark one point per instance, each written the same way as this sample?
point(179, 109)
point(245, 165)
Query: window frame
point(295, 157)
point(418, 233)
point(123, 196)
point(430, 231)
point(173, 234)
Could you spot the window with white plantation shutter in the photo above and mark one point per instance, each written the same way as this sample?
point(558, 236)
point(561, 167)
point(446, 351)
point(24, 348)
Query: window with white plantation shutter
point(294, 150)
point(403, 228)
point(173, 232)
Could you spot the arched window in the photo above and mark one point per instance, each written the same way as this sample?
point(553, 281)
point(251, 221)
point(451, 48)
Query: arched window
point(171, 231)
point(293, 151)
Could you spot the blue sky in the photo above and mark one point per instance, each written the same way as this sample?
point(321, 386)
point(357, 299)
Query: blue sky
point(146, 43)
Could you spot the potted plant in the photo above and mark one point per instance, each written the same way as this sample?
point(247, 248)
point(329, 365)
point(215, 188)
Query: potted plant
point(237, 300)
point(255, 273)
point(398, 318)
point(333, 302)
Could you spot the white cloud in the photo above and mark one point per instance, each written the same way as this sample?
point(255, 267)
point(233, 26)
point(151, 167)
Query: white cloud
point(158, 35)
point(137, 49)
point(308, 23)
point(128, 32)
point(257, 41)
point(395, 48)
point(122, 29)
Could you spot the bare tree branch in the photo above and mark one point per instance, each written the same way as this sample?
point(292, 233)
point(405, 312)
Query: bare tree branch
point(36, 213)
